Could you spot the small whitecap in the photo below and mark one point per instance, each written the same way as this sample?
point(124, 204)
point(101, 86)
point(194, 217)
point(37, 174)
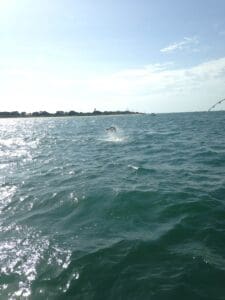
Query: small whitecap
point(76, 275)
point(71, 172)
point(114, 138)
point(4, 286)
point(23, 292)
point(22, 199)
point(133, 167)
point(66, 287)
point(74, 198)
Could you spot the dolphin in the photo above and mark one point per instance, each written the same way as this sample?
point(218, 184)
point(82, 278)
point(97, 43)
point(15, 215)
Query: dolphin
point(111, 129)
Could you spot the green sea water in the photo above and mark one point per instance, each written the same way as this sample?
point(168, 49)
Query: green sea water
point(135, 214)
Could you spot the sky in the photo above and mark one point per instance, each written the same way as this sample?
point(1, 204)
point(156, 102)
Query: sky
point(142, 55)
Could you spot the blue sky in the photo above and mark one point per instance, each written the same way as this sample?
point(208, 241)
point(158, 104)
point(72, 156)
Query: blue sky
point(160, 56)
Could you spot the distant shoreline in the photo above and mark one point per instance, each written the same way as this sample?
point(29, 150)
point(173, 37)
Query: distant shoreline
point(72, 113)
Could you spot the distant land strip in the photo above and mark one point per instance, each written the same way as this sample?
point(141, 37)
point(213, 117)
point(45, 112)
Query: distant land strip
point(16, 114)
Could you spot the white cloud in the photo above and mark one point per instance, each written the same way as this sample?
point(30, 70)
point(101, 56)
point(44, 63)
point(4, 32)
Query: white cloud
point(186, 43)
point(158, 88)
point(164, 88)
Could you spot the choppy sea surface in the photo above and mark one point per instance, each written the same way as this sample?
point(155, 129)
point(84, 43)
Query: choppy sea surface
point(136, 214)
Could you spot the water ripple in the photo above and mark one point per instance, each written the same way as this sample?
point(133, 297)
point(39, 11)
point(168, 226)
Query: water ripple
point(138, 214)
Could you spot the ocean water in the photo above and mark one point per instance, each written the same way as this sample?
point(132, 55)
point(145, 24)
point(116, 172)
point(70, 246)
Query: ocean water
point(136, 214)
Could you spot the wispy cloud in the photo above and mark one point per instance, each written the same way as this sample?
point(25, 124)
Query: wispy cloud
point(156, 79)
point(157, 87)
point(164, 88)
point(186, 43)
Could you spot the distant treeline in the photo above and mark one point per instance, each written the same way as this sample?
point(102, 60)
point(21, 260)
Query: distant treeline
point(16, 114)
